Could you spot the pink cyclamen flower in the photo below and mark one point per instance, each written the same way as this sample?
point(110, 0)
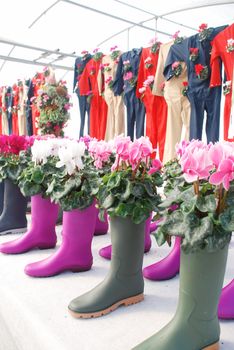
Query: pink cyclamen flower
point(196, 163)
point(96, 50)
point(156, 166)
point(128, 76)
point(175, 36)
point(181, 147)
point(175, 64)
point(224, 174)
point(153, 40)
point(113, 48)
point(67, 106)
point(142, 90)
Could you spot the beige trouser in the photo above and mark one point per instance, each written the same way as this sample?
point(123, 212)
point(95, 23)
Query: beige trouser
point(115, 116)
point(178, 116)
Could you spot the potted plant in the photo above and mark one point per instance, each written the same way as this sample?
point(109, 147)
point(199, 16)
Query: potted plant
point(129, 194)
point(32, 181)
point(204, 219)
point(73, 186)
point(12, 161)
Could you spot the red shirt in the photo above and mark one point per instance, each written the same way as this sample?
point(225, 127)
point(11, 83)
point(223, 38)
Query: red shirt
point(219, 51)
point(88, 79)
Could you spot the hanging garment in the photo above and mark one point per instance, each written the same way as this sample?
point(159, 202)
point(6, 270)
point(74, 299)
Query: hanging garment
point(156, 107)
point(221, 49)
point(115, 116)
point(15, 106)
point(5, 128)
point(98, 107)
point(23, 91)
point(178, 113)
point(201, 97)
point(9, 105)
point(84, 106)
point(29, 124)
point(125, 82)
point(1, 111)
point(37, 82)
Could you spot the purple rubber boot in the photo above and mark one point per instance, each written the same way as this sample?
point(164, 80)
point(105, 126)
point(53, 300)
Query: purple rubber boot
point(226, 302)
point(106, 251)
point(75, 253)
point(42, 233)
point(166, 268)
point(101, 227)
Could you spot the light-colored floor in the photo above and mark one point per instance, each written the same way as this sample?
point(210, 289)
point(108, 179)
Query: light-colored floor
point(34, 316)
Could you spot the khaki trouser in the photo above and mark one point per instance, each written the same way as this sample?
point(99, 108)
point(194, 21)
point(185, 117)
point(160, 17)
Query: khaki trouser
point(178, 115)
point(22, 112)
point(115, 116)
point(5, 126)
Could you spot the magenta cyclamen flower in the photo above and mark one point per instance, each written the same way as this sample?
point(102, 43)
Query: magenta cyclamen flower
point(96, 50)
point(156, 166)
point(224, 174)
point(128, 76)
point(175, 64)
point(113, 48)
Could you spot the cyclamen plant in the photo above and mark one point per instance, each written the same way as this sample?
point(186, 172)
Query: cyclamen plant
point(200, 186)
point(13, 155)
point(204, 32)
point(201, 71)
point(130, 188)
point(177, 68)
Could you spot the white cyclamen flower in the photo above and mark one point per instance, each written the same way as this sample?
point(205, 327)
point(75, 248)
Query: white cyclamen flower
point(70, 156)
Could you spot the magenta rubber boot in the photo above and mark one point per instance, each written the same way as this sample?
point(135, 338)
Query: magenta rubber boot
point(226, 302)
point(101, 227)
point(75, 253)
point(167, 268)
point(106, 251)
point(42, 233)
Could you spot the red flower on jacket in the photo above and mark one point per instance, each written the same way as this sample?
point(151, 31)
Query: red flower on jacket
point(202, 27)
point(198, 68)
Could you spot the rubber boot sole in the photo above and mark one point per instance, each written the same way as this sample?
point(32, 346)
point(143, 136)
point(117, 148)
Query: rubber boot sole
point(14, 230)
point(214, 346)
point(126, 302)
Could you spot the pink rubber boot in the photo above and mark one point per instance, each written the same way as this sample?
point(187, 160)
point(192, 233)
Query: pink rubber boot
point(75, 252)
point(42, 232)
point(101, 227)
point(167, 267)
point(226, 302)
point(106, 251)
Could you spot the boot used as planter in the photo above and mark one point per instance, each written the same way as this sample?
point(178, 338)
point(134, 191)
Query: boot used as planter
point(13, 217)
point(42, 232)
point(1, 196)
point(106, 251)
point(124, 284)
point(166, 268)
point(75, 253)
point(101, 227)
point(195, 325)
point(226, 302)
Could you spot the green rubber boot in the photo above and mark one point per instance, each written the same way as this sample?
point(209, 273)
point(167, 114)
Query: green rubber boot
point(124, 284)
point(195, 325)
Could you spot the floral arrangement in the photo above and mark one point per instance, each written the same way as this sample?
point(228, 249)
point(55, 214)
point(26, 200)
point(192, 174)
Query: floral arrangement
point(204, 32)
point(199, 203)
point(230, 45)
point(227, 87)
point(89, 96)
point(201, 71)
point(185, 88)
point(176, 38)
point(13, 155)
point(155, 45)
point(194, 54)
point(129, 77)
point(53, 102)
point(176, 68)
point(109, 82)
point(130, 188)
point(127, 66)
point(97, 54)
point(148, 62)
point(63, 170)
point(115, 54)
point(147, 83)
point(84, 55)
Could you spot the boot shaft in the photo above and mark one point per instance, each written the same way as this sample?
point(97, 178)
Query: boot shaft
point(127, 246)
point(14, 203)
point(44, 213)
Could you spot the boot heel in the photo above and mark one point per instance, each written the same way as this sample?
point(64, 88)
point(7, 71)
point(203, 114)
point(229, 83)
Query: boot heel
point(212, 347)
point(46, 246)
point(134, 300)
